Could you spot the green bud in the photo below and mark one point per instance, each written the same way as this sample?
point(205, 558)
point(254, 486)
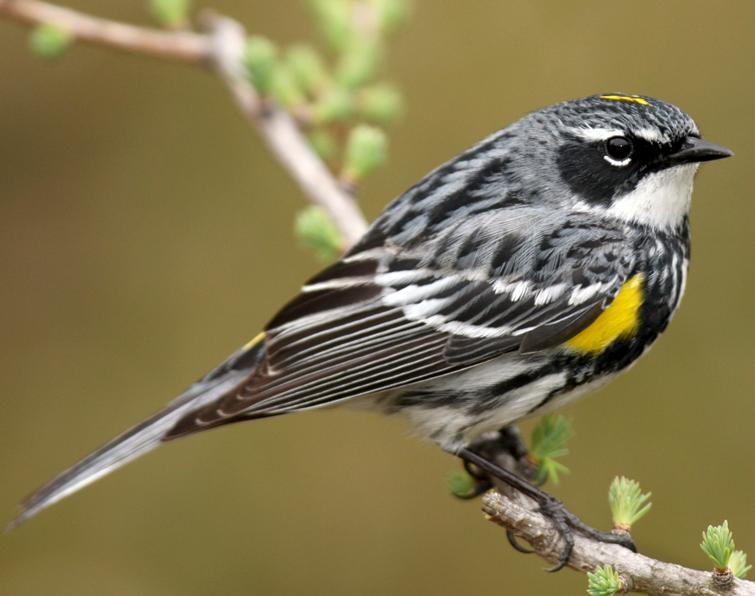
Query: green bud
point(461, 484)
point(307, 68)
point(392, 14)
point(627, 502)
point(170, 13)
point(334, 21)
point(718, 544)
point(323, 142)
point(335, 105)
point(316, 231)
point(260, 59)
point(359, 63)
point(381, 104)
point(604, 581)
point(366, 150)
point(738, 564)
point(285, 89)
point(49, 41)
point(549, 439)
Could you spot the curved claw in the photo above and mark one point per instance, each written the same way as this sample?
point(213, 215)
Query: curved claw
point(516, 545)
point(560, 565)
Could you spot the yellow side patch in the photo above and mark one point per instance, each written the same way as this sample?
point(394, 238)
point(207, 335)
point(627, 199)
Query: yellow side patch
point(632, 98)
point(254, 341)
point(619, 321)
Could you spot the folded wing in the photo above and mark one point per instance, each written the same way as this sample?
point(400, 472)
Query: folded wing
point(385, 318)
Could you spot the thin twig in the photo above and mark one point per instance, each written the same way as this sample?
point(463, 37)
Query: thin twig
point(176, 45)
point(280, 131)
point(222, 50)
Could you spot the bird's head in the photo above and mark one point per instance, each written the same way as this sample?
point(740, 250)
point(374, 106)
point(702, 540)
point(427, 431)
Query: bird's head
point(629, 157)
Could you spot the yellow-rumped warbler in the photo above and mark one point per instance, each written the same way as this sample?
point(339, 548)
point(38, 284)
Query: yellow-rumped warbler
point(514, 278)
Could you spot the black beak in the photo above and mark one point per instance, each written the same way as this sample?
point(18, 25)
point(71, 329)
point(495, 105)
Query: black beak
point(695, 149)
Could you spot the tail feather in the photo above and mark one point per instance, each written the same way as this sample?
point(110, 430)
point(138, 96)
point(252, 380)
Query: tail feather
point(140, 439)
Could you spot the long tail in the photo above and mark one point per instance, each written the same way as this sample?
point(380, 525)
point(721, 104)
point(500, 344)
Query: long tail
point(143, 437)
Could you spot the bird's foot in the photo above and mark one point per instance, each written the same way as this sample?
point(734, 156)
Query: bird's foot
point(505, 442)
point(565, 522)
point(508, 441)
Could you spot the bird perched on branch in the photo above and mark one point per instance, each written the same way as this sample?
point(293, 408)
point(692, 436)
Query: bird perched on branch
point(516, 277)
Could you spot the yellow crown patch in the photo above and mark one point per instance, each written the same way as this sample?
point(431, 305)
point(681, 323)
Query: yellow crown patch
point(632, 98)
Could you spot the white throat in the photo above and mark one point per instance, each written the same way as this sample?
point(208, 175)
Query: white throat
point(661, 200)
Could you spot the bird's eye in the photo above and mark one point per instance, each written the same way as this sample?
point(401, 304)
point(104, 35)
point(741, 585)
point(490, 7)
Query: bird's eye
point(618, 151)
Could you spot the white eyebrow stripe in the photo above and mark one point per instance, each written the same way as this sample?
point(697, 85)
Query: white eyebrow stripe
point(652, 135)
point(597, 134)
point(602, 134)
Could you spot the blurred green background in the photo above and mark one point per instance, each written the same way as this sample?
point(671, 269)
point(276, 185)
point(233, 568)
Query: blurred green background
point(145, 233)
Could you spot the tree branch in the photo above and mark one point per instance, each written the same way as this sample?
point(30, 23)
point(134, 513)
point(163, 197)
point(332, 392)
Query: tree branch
point(280, 131)
point(221, 49)
point(519, 514)
point(176, 45)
